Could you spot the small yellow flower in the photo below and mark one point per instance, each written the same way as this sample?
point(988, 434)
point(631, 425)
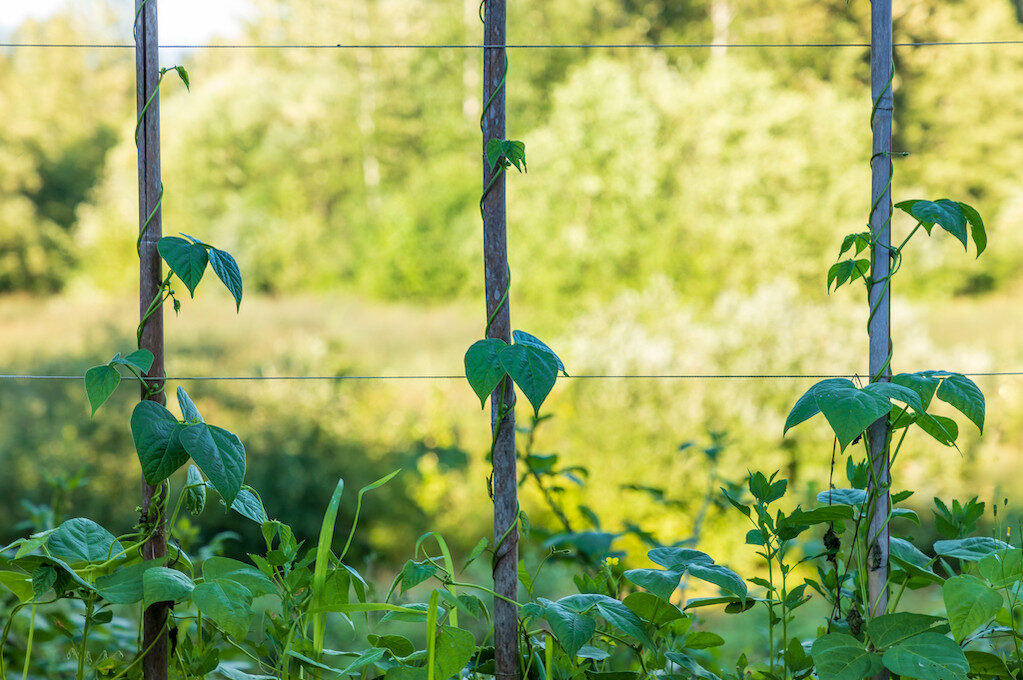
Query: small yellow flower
point(610, 561)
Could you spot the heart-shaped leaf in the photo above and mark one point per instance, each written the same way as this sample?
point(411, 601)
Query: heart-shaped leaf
point(187, 260)
point(962, 394)
point(838, 656)
point(524, 338)
point(219, 454)
point(82, 540)
point(533, 370)
point(156, 433)
point(928, 656)
point(970, 603)
point(943, 212)
point(976, 226)
point(100, 383)
point(483, 369)
point(142, 359)
point(227, 271)
point(188, 409)
point(161, 584)
point(227, 603)
point(847, 409)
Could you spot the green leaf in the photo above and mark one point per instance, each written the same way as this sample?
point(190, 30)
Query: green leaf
point(532, 369)
point(219, 454)
point(942, 429)
point(659, 582)
point(943, 212)
point(161, 584)
point(156, 432)
point(847, 270)
point(100, 383)
point(454, 649)
point(227, 271)
point(703, 639)
point(82, 540)
point(961, 393)
point(415, 573)
point(187, 260)
point(923, 385)
point(248, 504)
point(700, 566)
point(483, 369)
point(988, 664)
point(928, 656)
point(624, 619)
point(976, 226)
point(838, 656)
point(969, 603)
point(825, 513)
point(652, 608)
point(195, 494)
point(183, 74)
point(188, 410)
point(478, 549)
point(891, 629)
point(1003, 568)
point(227, 603)
point(398, 645)
point(908, 557)
point(494, 150)
point(524, 338)
point(848, 410)
point(226, 569)
point(851, 497)
point(804, 409)
point(142, 359)
point(19, 583)
point(571, 629)
point(971, 549)
point(124, 585)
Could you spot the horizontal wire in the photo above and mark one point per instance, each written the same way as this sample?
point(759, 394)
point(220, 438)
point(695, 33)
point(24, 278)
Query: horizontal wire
point(675, 376)
point(518, 46)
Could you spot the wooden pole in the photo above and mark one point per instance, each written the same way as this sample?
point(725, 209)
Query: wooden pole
point(147, 75)
point(879, 329)
point(495, 264)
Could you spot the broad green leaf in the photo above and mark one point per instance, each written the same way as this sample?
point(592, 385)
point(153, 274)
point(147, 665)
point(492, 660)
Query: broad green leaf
point(928, 656)
point(923, 385)
point(454, 649)
point(478, 550)
point(227, 271)
point(987, 664)
point(156, 432)
point(397, 644)
point(891, 629)
point(571, 629)
point(838, 656)
point(333, 595)
point(852, 497)
point(943, 212)
point(820, 515)
point(228, 603)
point(971, 549)
point(188, 410)
point(415, 573)
point(142, 359)
point(969, 603)
point(804, 409)
point(100, 383)
point(232, 673)
point(652, 608)
point(693, 669)
point(187, 260)
point(219, 454)
point(82, 540)
point(124, 586)
point(226, 569)
point(848, 410)
point(18, 583)
point(483, 370)
point(369, 657)
point(909, 558)
point(961, 393)
point(847, 270)
point(195, 494)
point(700, 566)
point(524, 338)
point(532, 369)
point(248, 504)
point(976, 226)
point(703, 639)
point(897, 392)
point(624, 619)
point(942, 429)
point(659, 582)
point(161, 584)
point(1002, 568)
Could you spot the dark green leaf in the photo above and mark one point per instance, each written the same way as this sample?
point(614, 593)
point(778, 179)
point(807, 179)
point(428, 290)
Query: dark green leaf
point(156, 433)
point(524, 338)
point(976, 225)
point(227, 271)
point(969, 603)
point(928, 656)
point(971, 549)
point(219, 454)
point(161, 584)
point(483, 369)
point(891, 629)
point(187, 260)
point(82, 540)
point(228, 603)
point(838, 656)
point(963, 394)
point(533, 370)
point(100, 383)
point(124, 585)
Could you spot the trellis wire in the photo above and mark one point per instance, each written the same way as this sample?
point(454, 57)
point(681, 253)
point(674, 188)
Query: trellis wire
point(519, 46)
point(590, 376)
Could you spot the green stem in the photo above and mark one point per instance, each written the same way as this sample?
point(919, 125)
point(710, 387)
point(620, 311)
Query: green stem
point(89, 606)
point(28, 645)
point(460, 584)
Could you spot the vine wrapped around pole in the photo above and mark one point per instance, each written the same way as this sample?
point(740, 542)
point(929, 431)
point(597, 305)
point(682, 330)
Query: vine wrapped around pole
point(496, 272)
point(879, 297)
point(150, 337)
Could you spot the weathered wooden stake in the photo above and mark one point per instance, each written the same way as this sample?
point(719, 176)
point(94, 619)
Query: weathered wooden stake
point(878, 435)
point(495, 263)
point(147, 75)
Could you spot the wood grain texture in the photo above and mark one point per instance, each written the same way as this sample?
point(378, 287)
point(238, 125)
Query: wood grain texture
point(147, 68)
point(878, 434)
point(495, 263)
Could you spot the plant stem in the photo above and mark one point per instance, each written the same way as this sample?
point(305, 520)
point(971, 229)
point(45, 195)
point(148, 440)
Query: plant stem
point(28, 645)
point(89, 605)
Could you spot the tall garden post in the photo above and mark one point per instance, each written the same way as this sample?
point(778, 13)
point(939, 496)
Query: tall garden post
point(495, 263)
point(879, 296)
point(147, 68)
